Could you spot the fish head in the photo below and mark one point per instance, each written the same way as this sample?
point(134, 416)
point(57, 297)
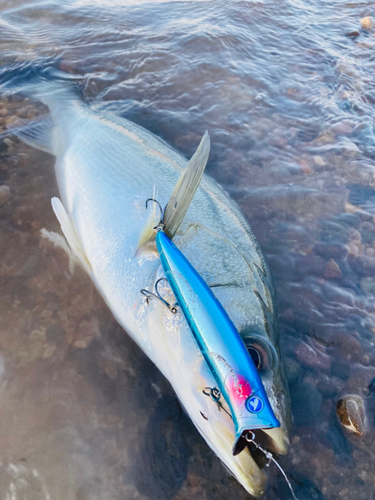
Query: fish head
point(176, 352)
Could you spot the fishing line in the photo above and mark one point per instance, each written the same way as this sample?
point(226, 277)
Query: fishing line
point(250, 436)
point(215, 394)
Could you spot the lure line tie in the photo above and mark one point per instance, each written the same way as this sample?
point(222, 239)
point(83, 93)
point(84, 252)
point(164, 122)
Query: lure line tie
point(215, 394)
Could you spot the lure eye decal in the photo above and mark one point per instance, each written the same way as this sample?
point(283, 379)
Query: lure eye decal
point(254, 404)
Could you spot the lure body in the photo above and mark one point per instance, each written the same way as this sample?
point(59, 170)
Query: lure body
point(220, 343)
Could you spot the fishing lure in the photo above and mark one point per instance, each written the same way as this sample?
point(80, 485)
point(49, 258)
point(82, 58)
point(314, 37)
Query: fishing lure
point(218, 339)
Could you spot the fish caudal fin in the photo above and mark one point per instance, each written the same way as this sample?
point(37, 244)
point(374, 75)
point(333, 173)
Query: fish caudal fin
point(186, 187)
point(36, 133)
point(70, 233)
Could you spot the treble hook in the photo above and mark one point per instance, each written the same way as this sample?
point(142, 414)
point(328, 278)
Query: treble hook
point(150, 295)
point(160, 225)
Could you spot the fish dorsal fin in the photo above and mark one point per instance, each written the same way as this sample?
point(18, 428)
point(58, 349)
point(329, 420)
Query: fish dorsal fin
point(186, 187)
point(36, 133)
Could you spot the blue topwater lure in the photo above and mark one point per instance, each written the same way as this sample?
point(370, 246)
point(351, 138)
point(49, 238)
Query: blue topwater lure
point(221, 345)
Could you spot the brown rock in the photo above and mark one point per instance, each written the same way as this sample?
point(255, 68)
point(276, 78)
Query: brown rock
point(351, 414)
point(353, 34)
point(332, 270)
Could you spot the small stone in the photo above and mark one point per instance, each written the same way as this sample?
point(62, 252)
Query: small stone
point(109, 367)
point(311, 357)
point(332, 270)
point(366, 23)
point(305, 167)
point(49, 351)
point(349, 345)
point(353, 34)
point(355, 248)
point(39, 334)
point(318, 160)
point(351, 414)
point(366, 360)
point(350, 208)
point(4, 195)
point(8, 142)
point(46, 314)
point(80, 344)
point(3, 112)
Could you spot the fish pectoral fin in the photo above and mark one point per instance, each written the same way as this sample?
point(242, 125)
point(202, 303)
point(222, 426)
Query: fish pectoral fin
point(70, 233)
point(36, 133)
point(186, 187)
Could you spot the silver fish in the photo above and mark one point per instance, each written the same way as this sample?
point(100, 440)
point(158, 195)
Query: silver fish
point(106, 168)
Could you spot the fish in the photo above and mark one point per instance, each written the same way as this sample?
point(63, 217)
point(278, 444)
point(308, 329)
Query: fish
point(106, 168)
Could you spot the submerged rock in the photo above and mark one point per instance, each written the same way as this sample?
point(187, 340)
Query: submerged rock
point(351, 414)
point(353, 34)
point(312, 357)
point(366, 23)
point(332, 270)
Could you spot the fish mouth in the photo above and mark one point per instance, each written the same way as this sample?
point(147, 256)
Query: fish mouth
point(273, 440)
point(255, 456)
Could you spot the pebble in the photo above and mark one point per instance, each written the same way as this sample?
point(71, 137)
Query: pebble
point(332, 270)
point(353, 34)
point(351, 414)
point(318, 160)
point(350, 347)
point(8, 142)
point(4, 195)
point(350, 208)
point(366, 23)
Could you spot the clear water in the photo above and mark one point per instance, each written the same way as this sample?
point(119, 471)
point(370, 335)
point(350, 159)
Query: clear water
point(288, 99)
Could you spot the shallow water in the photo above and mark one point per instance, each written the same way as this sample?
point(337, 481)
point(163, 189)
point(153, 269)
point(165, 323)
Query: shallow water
point(288, 98)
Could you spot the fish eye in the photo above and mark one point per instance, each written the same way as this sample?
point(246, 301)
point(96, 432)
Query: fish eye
point(254, 353)
point(261, 351)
